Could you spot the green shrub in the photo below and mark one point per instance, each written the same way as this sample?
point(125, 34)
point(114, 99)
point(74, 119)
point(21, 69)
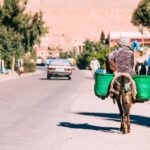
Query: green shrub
point(92, 49)
point(29, 67)
point(82, 62)
point(29, 62)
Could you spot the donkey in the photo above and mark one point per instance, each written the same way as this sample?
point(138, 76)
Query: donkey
point(123, 91)
point(140, 59)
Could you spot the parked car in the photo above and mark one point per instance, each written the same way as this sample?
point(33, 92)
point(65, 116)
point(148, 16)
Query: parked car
point(40, 62)
point(59, 68)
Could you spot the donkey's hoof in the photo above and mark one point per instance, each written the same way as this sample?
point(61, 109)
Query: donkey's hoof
point(121, 129)
point(124, 131)
point(128, 131)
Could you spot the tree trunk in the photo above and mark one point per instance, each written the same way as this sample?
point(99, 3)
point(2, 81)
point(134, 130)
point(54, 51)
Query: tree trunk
point(3, 66)
point(13, 63)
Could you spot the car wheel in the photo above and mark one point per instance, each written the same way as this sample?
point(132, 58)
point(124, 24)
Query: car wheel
point(48, 76)
point(69, 78)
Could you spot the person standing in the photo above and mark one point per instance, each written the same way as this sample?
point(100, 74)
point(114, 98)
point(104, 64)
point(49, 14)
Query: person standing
point(94, 65)
point(107, 65)
point(122, 59)
point(20, 66)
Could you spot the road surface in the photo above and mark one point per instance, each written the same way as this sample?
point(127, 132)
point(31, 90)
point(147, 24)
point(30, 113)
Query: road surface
point(41, 114)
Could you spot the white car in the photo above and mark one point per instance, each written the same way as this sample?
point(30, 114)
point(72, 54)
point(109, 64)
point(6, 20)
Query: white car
point(59, 68)
point(40, 62)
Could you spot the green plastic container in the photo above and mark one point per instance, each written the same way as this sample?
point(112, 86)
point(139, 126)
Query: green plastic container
point(143, 87)
point(102, 83)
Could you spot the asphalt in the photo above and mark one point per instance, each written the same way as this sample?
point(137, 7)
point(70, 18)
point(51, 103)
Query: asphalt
point(41, 114)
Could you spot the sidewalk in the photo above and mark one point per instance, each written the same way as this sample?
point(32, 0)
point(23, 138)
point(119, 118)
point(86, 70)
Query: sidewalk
point(13, 75)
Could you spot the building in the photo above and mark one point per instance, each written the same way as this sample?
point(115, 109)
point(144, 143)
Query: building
point(42, 49)
point(41, 52)
point(50, 46)
point(78, 45)
point(143, 39)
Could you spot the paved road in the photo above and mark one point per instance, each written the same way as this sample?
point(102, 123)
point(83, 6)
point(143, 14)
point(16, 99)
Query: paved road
point(40, 114)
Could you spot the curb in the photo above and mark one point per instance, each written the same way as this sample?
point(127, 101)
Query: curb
point(13, 76)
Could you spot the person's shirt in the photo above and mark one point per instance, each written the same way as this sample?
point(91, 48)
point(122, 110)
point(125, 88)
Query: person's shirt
point(95, 64)
point(124, 60)
point(112, 56)
point(19, 63)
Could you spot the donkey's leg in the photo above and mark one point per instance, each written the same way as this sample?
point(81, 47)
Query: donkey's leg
point(124, 105)
point(128, 107)
point(122, 126)
point(119, 103)
point(128, 122)
point(124, 122)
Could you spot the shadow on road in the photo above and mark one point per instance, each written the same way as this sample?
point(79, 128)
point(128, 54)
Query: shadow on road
point(88, 127)
point(135, 119)
point(90, 78)
point(53, 79)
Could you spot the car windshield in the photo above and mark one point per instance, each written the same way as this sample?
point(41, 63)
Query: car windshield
point(60, 63)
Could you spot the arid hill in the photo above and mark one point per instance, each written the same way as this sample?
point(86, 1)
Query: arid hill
point(85, 18)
